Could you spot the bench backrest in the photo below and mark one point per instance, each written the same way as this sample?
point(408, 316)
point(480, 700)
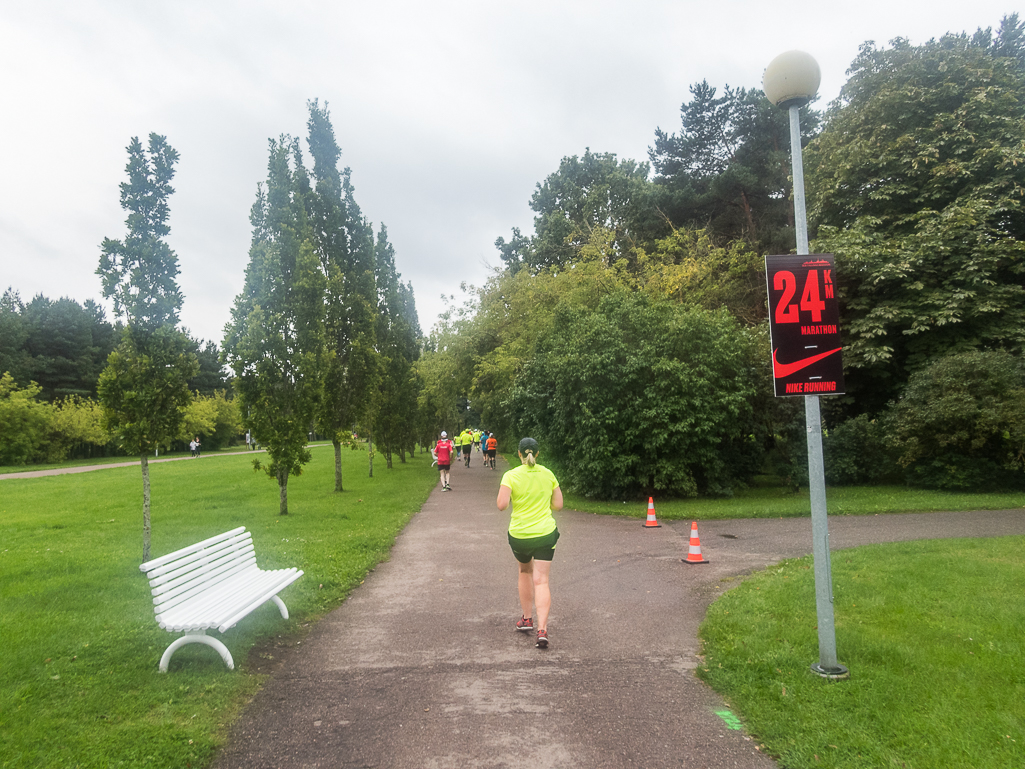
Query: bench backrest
point(176, 577)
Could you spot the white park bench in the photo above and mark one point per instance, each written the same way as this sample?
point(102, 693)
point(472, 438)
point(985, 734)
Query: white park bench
point(212, 584)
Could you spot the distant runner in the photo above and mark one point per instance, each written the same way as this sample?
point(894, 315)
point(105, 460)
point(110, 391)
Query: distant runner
point(467, 440)
point(443, 452)
point(492, 450)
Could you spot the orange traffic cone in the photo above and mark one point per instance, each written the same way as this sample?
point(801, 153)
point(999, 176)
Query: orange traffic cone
point(694, 556)
point(652, 522)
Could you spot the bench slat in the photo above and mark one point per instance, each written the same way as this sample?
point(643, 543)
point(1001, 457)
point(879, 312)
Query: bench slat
point(222, 610)
point(231, 591)
point(260, 600)
point(202, 582)
point(226, 549)
point(156, 562)
point(212, 610)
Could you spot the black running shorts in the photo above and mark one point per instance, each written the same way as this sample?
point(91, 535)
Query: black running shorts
point(534, 548)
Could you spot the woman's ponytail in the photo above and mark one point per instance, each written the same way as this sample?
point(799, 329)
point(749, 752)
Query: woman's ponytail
point(528, 451)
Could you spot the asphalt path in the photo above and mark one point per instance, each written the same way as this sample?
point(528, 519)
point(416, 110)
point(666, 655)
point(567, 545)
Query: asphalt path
point(422, 668)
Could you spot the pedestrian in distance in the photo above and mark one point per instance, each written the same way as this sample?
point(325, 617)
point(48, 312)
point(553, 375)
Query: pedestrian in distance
point(467, 440)
point(534, 494)
point(198, 447)
point(443, 452)
point(192, 447)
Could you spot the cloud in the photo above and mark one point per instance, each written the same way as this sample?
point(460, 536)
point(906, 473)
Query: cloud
point(449, 113)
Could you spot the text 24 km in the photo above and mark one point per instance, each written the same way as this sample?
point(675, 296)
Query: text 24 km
point(811, 297)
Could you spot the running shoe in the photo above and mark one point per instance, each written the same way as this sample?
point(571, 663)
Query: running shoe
point(542, 639)
point(445, 488)
point(525, 624)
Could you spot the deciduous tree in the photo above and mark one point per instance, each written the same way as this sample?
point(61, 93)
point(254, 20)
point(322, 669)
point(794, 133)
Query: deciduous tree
point(640, 396)
point(144, 389)
point(917, 185)
point(345, 247)
point(274, 342)
point(398, 340)
point(596, 191)
point(960, 423)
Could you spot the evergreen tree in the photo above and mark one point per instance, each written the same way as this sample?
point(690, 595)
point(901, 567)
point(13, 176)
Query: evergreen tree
point(728, 169)
point(211, 378)
point(14, 360)
point(274, 343)
point(68, 344)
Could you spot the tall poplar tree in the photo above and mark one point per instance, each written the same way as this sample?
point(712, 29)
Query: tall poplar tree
point(275, 340)
point(398, 333)
point(144, 388)
point(344, 243)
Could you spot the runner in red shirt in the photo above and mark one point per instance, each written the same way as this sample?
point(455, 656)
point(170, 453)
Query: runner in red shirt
point(443, 451)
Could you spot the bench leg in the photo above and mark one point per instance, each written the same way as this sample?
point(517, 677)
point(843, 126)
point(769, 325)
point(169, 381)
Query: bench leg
point(197, 638)
point(281, 606)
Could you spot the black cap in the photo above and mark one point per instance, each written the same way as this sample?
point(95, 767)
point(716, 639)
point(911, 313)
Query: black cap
point(529, 444)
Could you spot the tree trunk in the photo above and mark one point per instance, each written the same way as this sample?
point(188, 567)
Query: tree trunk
point(748, 217)
point(370, 452)
point(338, 463)
point(145, 507)
point(283, 487)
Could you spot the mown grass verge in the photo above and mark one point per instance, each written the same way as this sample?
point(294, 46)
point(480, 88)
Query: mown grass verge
point(79, 685)
point(776, 502)
point(931, 632)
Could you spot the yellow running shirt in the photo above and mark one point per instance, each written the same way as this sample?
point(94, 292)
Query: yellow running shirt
point(532, 489)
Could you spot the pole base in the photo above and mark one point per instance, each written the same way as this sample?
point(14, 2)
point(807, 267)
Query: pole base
point(838, 673)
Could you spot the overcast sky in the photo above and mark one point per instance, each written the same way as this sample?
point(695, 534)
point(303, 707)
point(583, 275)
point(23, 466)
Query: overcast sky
point(448, 113)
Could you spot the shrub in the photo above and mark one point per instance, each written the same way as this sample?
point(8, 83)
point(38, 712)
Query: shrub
point(212, 417)
point(76, 429)
point(855, 452)
point(960, 423)
point(24, 423)
point(640, 395)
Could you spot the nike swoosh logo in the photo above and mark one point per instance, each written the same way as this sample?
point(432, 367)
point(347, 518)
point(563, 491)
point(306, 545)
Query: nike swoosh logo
point(781, 370)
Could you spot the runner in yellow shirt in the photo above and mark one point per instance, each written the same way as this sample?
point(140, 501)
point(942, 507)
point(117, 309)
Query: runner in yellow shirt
point(534, 494)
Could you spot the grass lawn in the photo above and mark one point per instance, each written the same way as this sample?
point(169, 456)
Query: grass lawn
point(933, 633)
point(776, 502)
point(79, 685)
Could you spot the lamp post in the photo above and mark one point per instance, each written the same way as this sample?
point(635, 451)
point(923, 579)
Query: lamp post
point(790, 81)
